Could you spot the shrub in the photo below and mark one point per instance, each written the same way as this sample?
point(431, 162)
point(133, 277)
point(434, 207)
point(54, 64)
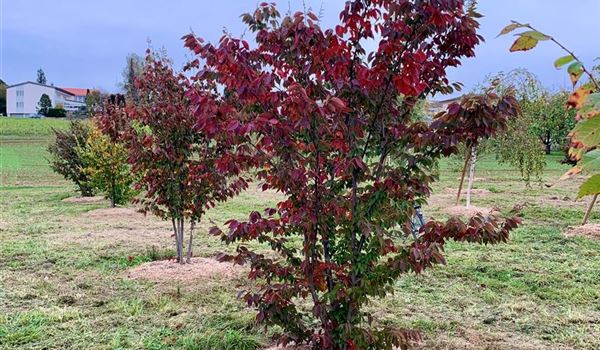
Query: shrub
point(107, 167)
point(330, 126)
point(65, 155)
point(56, 113)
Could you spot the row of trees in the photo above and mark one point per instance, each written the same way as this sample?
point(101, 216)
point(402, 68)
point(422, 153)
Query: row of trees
point(310, 113)
point(84, 155)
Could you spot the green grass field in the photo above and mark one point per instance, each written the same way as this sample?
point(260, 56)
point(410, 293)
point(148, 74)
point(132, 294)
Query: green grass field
point(64, 269)
point(29, 127)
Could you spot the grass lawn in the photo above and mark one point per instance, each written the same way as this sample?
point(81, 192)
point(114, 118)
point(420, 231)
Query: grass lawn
point(65, 284)
point(10, 126)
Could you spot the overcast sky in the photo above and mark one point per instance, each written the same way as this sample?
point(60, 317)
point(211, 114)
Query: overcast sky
point(83, 43)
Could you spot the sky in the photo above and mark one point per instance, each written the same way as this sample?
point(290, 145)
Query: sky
point(84, 44)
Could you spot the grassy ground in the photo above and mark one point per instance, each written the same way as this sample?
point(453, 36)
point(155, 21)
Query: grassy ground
point(64, 284)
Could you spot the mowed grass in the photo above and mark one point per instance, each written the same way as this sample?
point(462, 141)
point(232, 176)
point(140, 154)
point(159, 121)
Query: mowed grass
point(42, 127)
point(59, 291)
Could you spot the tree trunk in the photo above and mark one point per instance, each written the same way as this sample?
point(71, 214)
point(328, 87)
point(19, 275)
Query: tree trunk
point(548, 143)
point(462, 176)
point(176, 233)
point(471, 174)
point(589, 210)
point(189, 247)
point(181, 227)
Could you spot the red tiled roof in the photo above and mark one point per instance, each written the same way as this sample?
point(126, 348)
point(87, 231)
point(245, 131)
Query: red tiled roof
point(76, 91)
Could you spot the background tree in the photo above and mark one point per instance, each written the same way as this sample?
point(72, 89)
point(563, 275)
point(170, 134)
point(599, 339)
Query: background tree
point(44, 104)
point(545, 110)
point(65, 155)
point(41, 77)
point(521, 144)
point(3, 87)
point(175, 162)
point(107, 167)
point(554, 124)
point(518, 146)
point(132, 70)
point(93, 101)
point(330, 126)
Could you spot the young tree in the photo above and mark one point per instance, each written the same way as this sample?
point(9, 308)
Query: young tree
point(132, 70)
point(485, 115)
point(330, 126)
point(41, 77)
point(44, 104)
point(107, 167)
point(520, 144)
point(65, 155)
point(176, 163)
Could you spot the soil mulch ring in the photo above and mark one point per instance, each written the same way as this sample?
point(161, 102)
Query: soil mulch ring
point(198, 269)
point(587, 230)
point(114, 213)
point(461, 210)
point(94, 199)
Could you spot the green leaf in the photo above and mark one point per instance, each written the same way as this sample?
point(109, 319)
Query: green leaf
point(587, 132)
point(563, 60)
point(591, 161)
point(590, 187)
point(509, 28)
point(575, 71)
point(593, 101)
point(524, 43)
point(534, 34)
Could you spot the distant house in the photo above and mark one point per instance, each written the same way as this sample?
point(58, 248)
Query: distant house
point(22, 99)
point(434, 107)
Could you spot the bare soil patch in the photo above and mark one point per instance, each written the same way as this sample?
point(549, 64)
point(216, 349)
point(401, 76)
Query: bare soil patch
point(138, 237)
point(461, 210)
point(114, 214)
point(587, 230)
point(93, 199)
point(465, 339)
point(199, 269)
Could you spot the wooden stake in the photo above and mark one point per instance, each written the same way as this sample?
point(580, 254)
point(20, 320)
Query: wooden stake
point(589, 209)
point(472, 164)
point(462, 177)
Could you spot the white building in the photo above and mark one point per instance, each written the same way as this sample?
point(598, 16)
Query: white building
point(22, 99)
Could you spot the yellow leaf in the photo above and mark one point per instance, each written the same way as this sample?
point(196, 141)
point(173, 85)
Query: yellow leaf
point(524, 43)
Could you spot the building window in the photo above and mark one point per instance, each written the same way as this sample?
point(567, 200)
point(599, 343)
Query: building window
point(20, 93)
point(20, 105)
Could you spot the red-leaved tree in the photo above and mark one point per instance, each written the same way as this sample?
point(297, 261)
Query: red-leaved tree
point(175, 161)
point(483, 115)
point(329, 125)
